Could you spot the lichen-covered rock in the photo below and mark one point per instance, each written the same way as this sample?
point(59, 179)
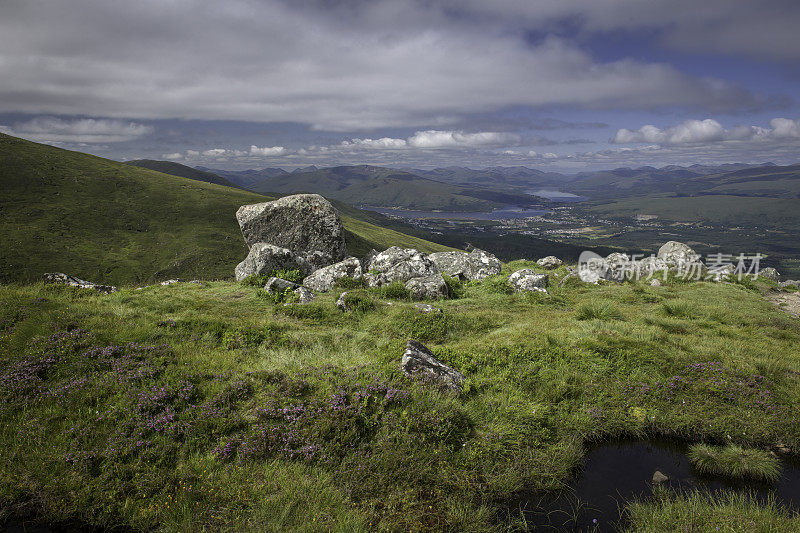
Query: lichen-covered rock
point(265, 257)
point(655, 282)
point(618, 267)
point(550, 261)
point(275, 285)
point(322, 280)
point(171, 282)
point(304, 295)
point(677, 255)
point(398, 264)
point(419, 362)
point(341, 303)
point(721, 272)
point(588, 275)
point(651, 267)
point(769, 273)
point(72, 281)
point(475, 265)
point(428, 287)
point(306, 224)
point(427, 309)
point(528, 280)
point(366, 261)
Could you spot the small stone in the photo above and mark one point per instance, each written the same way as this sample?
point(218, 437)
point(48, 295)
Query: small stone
point(549, 262)
point(341, 303)
point(171, 281)
point(659, 478)
point(275, 285)
point(528, 280)
point(655, 283)
point(304, 294)
point(427, 309)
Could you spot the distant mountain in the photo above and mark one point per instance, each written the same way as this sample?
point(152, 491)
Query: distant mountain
point(176, 169)
point(518, 178)
point(386, 187)
point(245, 178)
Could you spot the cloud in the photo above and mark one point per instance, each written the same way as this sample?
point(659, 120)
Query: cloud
point(434, 139)
point(173, 156)
point(214, 152)
point(266, 150)
point(86, 130)
point(708, 131)
point(404, 63)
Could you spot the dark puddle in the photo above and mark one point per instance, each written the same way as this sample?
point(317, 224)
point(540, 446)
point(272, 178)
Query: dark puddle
point(617, 472)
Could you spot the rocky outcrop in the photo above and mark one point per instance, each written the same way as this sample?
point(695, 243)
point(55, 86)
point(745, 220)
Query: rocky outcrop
point(322, 280)
point(526, 280)
point(276, 285)
point(428, 287)
point(419, 362)
point(306, 224)
point(366, 261)
point(550, 261)
point(475, 265)
point(265, 258)
point(72, 281)
point(398, 264)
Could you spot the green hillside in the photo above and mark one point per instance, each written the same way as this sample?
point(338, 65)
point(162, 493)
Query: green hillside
point(383, 187)
point(110, 222)
point(176, 169)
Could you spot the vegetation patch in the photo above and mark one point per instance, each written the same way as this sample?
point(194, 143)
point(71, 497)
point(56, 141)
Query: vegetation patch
point(734, 461)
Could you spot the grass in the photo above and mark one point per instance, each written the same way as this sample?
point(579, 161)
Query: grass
point(109, 222)
point(207, 407)
point(697, 512)
point(735, 461)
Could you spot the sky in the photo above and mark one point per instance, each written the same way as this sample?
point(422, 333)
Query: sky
point(564, 85)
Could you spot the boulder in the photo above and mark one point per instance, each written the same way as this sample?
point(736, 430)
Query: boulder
point(419, 362)
point(306, 224)
point(341, 303)
point(676, 254)
point(655, 283)
point(398, 264)
point(322, 280)
point(589, 275)
point(721, 272)
point(265, 257)
point(528, 280)
point(475, 265)
point(72, 281)
point(275, 285)
point(618, 267)
point(366, 261)
point(427, 287)
point(550, 261)
point(769, 273)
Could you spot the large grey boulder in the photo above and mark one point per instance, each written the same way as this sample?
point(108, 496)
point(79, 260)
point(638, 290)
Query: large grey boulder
point(398, 264)
point(306, 224)
point(72, 281)
point(419, 362)
point(677, 255)
point(550, 261)
point(527, 280)
point(475, 265)
point(322, 280)
point(428, 287)
point(618, 267)
point(265, 258)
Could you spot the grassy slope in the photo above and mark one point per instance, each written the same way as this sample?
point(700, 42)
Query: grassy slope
point(377, 186)
point(110, 222)
point(176, 169)
point(544, 374)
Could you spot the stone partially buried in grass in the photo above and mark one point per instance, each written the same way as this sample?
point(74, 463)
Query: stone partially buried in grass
point(428, 287)
point(419, 362)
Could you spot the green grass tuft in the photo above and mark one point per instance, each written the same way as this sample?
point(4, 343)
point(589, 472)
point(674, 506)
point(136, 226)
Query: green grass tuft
point(598, 311)
point(734, 461)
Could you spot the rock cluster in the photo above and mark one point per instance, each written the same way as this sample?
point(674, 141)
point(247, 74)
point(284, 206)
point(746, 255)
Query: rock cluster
point(72, 281)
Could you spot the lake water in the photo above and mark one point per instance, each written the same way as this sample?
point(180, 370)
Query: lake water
point(556, 196)
point(507, 212)
point(619, 471)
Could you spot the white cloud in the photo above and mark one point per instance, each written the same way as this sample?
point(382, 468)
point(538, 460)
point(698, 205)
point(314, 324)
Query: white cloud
point(174, 156)
point(214, 152)
point(266, 150)
point(85, 130)
point(390, 64)
point(383, 143)
point(452, 139)
point(708, 131)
